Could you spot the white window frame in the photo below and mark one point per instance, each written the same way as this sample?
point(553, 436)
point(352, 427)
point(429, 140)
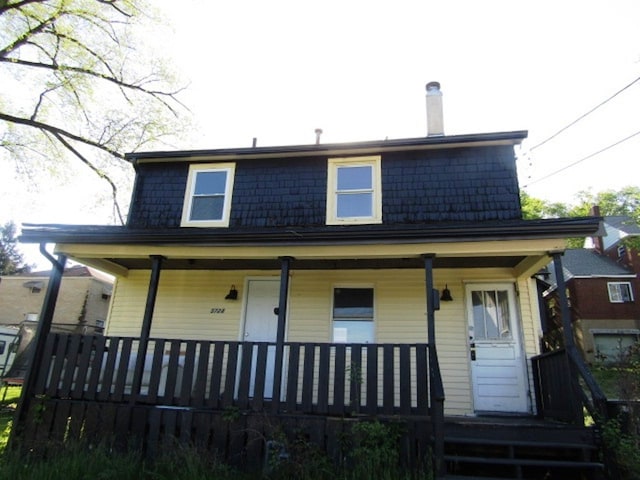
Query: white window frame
point(334, 164)
point(194, 170)
point(615, 292)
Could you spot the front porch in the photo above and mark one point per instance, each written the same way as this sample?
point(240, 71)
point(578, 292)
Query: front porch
point(212, 395)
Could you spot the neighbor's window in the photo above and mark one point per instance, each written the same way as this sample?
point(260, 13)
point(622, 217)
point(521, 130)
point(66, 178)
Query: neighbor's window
point(620, 292)
point(353, 315)
point(354, 190)
point(207, 200)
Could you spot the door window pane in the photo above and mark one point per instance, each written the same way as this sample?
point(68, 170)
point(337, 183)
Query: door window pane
point(491, 315)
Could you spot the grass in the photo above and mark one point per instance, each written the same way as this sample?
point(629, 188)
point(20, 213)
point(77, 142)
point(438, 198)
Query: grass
point(7, 408)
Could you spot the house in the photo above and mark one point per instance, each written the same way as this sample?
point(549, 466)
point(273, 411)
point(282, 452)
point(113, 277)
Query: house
point(82, 306)
point(314, 284)
point(618, 229)
point(603, 285)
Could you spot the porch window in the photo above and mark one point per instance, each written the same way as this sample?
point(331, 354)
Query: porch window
point(354, 191)
point(620, 292)
point(207, 201)
point(491, 314)
point(353, 315)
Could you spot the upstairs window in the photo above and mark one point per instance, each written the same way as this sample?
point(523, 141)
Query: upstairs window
point(354, 192)
point(620, 292)
point(207, 201)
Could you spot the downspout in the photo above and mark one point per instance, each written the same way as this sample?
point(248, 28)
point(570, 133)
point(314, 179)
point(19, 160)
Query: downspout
point(145, 331)
point(436, 389)
point(42, 332)
point(285, 263)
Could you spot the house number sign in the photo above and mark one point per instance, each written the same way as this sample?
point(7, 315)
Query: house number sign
point(217, 310)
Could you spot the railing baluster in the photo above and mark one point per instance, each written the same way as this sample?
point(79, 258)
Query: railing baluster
point(123, 369)
point(307, 377)
point(259, 380)
point(230, 379)
point(200, 387)
point(355, 376)
point(156, 370)
point(291, 398)
point(388, 380)
point(187, 373)
point(372, 379)
point(405, 379)
point(323, 379)
point(171, 386)
point(96, 367)
point(245, 373)
point(215, 395)
point(339, 378)
point(422, 379)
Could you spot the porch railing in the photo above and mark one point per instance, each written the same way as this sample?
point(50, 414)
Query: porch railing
point(565, 388)
point(318, 378)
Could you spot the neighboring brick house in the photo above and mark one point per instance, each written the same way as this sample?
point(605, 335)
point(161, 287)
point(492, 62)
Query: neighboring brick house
point(82, 307)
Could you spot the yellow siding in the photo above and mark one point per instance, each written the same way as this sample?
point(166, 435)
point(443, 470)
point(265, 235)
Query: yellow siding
point(186, 299)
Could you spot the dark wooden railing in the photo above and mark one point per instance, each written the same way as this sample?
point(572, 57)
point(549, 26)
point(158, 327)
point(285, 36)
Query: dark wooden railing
point(564, 387)
point(318, 378)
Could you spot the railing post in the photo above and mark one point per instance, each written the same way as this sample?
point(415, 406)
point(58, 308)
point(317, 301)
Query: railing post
point(436, 392)
point(285, 263)
point(44, 328)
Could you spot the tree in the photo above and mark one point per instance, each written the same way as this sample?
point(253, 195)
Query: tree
point(78, 83)
point(625, 201)
point(11, 260)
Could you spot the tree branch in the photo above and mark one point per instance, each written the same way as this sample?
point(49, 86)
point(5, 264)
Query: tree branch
point(100, 173)
point(5, 6)
point(28, 34)
point(157, 94)
point(56, 130)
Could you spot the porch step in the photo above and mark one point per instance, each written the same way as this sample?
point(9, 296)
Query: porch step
point(517, 450)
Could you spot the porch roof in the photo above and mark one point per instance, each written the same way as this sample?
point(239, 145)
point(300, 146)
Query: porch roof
point(510, 244)
point(329, 235)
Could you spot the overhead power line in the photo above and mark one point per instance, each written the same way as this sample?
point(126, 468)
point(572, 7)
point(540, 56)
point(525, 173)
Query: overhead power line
point(583, 159)
point(584, 115)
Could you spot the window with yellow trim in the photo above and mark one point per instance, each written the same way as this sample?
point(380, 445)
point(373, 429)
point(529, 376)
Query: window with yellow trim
point(207, 201)
point(354, 191)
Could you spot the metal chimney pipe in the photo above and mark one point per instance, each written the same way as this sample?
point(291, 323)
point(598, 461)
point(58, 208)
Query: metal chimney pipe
point(435, 121)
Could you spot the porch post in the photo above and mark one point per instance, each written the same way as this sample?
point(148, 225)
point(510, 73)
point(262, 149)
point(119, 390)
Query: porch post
point(567, 330)
point(436, 390)
point(285, 263)
point(145, 331)
point(42, 332)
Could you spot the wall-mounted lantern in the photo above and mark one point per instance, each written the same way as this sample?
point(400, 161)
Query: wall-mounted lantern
point(233, 293)
point(446, 294)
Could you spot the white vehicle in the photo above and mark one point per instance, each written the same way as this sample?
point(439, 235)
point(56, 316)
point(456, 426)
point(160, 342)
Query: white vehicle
point(9, 340)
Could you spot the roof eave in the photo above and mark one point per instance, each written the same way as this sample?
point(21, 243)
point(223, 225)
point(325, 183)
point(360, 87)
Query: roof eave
point(333, 149)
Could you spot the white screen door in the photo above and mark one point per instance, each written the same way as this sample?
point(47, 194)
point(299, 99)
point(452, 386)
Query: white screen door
point(495, 352)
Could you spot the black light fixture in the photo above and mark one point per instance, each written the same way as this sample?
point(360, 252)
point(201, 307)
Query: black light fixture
point(233, 293)
point(446, 294)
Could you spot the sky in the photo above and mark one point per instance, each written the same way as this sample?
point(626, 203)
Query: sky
point(277, 70)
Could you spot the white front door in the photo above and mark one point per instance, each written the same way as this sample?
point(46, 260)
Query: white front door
point(261, 323)
point(497, 360)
